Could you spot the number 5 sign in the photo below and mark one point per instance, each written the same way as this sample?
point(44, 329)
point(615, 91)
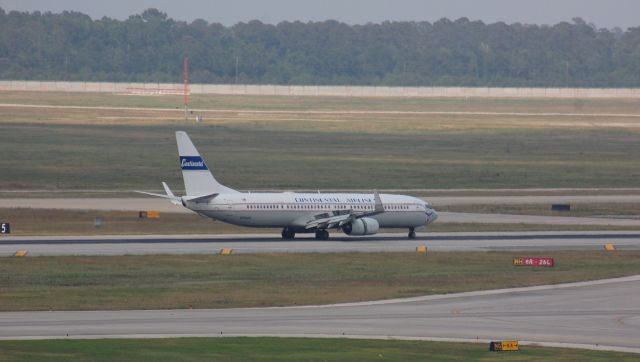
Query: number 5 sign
point(5, 228)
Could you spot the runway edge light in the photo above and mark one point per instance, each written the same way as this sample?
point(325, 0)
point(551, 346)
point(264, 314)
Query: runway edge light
point(609, 247)
point(21, 253)
point(421, 249)
point(226, 251)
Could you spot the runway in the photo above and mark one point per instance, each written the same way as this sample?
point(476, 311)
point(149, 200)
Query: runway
point(597, 315)
point(272, 243)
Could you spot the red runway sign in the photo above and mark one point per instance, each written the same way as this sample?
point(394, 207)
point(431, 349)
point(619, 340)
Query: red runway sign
point(544, 262)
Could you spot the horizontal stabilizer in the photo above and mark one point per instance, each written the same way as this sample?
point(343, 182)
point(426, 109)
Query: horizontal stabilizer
point(203, 198)
point(170, 196)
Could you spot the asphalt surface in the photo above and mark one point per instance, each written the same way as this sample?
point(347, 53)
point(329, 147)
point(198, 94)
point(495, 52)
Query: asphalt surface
point(597, 315)
point(270, 243)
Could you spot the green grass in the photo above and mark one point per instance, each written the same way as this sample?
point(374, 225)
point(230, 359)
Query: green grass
point(282, 349)
point(248, 157)
point(258, 280)
point(130, 149)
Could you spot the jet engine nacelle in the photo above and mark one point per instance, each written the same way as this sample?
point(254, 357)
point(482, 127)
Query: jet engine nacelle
point(363, 226)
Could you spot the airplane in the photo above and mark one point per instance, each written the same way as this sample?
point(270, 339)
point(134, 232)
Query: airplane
point(355, 214)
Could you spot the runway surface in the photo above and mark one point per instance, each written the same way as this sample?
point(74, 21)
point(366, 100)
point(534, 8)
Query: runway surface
point(272, 243)
point(596, 315)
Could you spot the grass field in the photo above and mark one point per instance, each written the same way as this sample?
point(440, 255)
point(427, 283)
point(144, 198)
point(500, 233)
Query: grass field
point(251, 280)
point(282, 349)
point(295, 148)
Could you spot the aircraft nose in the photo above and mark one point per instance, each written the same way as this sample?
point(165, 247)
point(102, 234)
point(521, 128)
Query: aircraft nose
point(432, 215)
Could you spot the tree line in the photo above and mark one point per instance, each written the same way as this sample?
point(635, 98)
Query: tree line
point(150, 47)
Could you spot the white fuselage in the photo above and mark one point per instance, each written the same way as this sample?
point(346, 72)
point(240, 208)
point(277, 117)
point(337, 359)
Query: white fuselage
point(295, 210)
point(354, 214)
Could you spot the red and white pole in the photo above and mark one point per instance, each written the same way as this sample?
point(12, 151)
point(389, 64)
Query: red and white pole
point(186, 86)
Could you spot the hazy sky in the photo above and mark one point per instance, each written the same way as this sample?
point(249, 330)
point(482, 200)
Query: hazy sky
point(603, 13)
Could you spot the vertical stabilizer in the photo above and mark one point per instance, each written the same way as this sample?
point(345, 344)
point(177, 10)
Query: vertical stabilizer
point(198, 180)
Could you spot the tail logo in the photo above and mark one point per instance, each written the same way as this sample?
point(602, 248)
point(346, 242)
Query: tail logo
point(192, 163)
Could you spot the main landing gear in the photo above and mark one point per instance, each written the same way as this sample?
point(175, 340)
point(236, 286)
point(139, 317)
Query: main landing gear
point(412, 233)
point(322, 235)
point(288, 234)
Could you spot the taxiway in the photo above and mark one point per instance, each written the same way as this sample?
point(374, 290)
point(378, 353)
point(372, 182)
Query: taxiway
point(597, 315)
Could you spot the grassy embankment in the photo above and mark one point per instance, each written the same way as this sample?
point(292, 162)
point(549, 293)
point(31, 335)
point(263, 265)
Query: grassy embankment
point(258, 280)
point(282, 349)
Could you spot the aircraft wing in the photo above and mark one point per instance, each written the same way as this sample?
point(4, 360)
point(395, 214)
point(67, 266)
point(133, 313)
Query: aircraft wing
point(330, 220)
point(338, 218)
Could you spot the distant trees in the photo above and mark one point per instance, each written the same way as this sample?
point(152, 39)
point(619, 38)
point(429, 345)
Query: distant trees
point(150, 46)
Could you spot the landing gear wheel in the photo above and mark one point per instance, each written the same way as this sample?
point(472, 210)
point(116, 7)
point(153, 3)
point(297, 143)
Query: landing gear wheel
point(322, 235)
point(288, 234)
point(412, 233)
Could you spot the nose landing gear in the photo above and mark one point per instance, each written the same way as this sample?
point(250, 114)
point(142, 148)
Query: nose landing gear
point(412, 233)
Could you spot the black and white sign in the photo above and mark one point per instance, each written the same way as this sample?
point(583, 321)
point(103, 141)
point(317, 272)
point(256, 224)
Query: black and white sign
point(5, 228)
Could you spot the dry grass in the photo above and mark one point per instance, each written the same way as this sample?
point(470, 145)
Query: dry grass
point(269, 103)
point(318, 121)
